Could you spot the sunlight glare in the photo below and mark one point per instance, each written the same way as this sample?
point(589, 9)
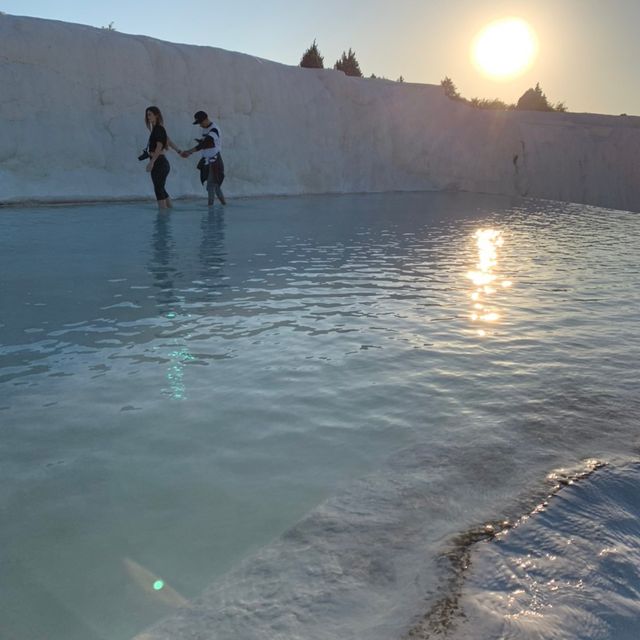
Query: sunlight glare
point(505, 48)
point(487, 242)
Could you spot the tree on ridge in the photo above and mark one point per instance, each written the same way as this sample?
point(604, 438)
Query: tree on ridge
point(348, 64)
point(311, 58)
point(450, 89)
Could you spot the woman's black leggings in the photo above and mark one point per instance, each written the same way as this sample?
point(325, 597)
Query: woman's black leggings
point(159, 173)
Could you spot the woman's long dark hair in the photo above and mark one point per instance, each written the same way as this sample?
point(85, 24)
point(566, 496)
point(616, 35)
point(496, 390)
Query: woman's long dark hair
point(156, 112)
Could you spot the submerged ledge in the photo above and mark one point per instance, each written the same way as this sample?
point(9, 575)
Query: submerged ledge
point(441, 619)
point(346, 558)
point(202, 200)
point(54, 201)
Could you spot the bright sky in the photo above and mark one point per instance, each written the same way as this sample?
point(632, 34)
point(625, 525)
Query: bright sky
point(589, 50)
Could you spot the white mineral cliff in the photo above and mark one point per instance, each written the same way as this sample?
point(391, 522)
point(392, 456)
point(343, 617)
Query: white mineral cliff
point(72, 101)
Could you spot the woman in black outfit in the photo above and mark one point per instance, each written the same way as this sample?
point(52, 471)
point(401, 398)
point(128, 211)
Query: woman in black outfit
point(158, 165)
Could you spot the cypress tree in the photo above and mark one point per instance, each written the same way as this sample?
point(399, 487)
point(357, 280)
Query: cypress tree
point(450, 89)
point(348, 64)
point(311, 58)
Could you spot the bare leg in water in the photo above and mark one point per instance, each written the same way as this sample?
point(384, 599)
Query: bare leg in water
point(213, 188)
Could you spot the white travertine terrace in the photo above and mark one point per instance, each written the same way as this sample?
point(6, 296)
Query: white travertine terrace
point(72, 103)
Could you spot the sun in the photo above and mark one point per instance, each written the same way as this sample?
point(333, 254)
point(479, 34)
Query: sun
point(505, 48)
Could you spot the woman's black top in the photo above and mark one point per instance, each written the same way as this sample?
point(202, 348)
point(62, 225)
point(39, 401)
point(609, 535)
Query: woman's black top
point(158, 135)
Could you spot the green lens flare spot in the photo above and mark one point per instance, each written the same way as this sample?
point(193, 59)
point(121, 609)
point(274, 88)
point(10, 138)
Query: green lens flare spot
point(158, 585)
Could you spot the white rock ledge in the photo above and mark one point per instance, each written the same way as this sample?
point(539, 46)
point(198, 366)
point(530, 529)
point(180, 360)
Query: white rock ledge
point(73, 99)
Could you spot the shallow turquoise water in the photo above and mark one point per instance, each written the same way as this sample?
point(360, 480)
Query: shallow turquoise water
point(177, 391)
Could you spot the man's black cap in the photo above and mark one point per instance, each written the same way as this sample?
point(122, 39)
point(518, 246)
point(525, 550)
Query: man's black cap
point(199, 116)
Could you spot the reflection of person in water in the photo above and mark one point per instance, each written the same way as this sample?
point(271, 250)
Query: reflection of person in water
point(170, 296)
point(174, 337)
point(212, 253)
point(177, 291)
point(161, 266)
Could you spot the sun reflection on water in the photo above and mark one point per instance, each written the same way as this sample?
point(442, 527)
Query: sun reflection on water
point(485, 279)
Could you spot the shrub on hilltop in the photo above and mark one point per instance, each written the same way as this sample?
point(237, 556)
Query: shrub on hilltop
point(491, 103)
point(373, 76)
point(531, 100)
point(535, 100)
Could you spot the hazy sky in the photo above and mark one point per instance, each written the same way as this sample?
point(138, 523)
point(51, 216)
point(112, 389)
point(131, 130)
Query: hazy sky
point(589, 49)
